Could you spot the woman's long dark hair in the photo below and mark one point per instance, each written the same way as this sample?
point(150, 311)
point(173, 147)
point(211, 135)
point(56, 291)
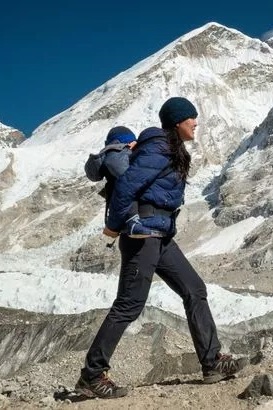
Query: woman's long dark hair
point(180, 157)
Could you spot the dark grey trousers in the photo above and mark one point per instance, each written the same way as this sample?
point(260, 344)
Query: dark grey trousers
point(140, 258)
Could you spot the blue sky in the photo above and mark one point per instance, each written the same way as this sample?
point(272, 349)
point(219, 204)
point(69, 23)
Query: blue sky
point(55, 52)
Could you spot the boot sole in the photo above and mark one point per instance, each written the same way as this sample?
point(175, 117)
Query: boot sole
point(85, 392)
point(216, 378)
point(91, 395)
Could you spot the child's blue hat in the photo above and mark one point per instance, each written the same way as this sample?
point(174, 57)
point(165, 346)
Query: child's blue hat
point(120, 134)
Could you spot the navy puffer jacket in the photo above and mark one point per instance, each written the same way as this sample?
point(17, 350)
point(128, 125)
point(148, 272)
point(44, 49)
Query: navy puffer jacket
point(142, 181)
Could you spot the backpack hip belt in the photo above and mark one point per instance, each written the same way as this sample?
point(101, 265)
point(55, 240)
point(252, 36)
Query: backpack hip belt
point(146, 210)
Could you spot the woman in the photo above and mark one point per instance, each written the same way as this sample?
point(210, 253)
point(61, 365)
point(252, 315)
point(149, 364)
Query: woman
point(156, 178)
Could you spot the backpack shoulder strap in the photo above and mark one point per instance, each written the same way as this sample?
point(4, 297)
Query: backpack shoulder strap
point(108, 190)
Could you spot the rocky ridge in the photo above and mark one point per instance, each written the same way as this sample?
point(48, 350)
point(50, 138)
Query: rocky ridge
point(10, 137)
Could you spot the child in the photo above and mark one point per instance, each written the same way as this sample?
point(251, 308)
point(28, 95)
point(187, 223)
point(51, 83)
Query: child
point(112, 161)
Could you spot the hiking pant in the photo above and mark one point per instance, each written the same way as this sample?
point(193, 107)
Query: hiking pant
point(140, 258)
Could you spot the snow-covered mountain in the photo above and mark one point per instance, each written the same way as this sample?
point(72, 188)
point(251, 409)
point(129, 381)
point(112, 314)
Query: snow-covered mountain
point(51, 213)
point(10, 137)
point(53, 256)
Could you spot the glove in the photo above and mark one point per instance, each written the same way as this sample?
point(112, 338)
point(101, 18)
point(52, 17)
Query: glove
point(108, 232)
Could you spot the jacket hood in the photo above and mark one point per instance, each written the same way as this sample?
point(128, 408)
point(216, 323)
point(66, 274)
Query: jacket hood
point(151, 132)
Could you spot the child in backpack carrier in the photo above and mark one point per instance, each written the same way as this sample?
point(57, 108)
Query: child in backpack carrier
point(143, 219)
point(112, 161)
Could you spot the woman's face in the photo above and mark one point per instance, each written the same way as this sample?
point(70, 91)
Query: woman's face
point(185, 129)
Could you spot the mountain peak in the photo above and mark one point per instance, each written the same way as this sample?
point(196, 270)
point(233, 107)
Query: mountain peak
point(211, 27)
point(10, 136)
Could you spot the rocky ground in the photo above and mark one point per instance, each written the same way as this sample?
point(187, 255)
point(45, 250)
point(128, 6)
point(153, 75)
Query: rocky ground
point(160, 367)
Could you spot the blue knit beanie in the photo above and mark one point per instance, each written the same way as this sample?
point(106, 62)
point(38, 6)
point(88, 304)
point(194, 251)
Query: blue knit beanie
point(175, 110)
point(120, 134)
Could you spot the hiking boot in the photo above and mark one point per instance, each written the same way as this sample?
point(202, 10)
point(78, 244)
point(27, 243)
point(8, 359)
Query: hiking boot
point(101, 386)
point(225, 366)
